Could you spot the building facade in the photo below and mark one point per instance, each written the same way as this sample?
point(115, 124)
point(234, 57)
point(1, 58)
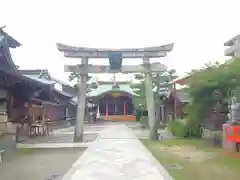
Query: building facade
point(114, 100)
point(233, 47)
point(23, 98)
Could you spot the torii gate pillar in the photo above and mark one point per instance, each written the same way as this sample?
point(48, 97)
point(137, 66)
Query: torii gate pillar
point(150, 101)
point(81, 104)
point(85, 68)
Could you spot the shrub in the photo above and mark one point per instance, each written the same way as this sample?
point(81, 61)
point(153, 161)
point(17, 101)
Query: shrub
point(194, 128)
point(138, 118)
point(178, 128)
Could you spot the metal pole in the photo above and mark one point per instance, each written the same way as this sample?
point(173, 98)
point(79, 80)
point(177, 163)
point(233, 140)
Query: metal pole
point(82, 88)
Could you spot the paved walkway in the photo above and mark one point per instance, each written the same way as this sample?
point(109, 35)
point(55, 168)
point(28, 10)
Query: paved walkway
point(43, 164)
point(64, 137)
point(117, 154)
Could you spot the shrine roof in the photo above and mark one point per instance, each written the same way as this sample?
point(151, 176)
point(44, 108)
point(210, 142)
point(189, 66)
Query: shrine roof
point(10, 41)
point(111, 82)
point(42, 80)
point(182, 96)
point(183, 80)
point(63, 94)
point(6, 42)
point(43, 76)
point(105, 88)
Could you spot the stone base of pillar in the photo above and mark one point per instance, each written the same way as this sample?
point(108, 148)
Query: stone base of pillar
point(78, 138)
point(154, 134)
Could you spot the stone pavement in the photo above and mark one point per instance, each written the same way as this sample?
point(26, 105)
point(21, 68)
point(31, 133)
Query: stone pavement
point(117, 154)
point(40, 164)
point(65, 136)
point(61, 138)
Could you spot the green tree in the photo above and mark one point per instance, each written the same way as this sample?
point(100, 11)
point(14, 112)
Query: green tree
point(202, 87)
point(76, 77)
point(161, 81)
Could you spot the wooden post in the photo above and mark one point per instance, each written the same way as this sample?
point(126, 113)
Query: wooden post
point(106, 112)
point(124, 108)
point(174, 101)
point(115, 108)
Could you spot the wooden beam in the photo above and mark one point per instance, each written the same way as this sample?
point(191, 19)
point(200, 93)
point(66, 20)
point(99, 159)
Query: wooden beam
point(155, 67)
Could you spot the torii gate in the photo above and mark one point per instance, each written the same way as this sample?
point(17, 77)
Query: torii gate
point(85, 68)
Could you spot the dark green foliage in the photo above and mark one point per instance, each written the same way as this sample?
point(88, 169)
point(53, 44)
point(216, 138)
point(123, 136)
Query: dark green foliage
point(213, 83)
point(76, 77)
point(138, 118)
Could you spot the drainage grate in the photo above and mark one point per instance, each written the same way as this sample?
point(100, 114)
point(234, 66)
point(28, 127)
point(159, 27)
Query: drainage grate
point(54, 177)
point(173, 166)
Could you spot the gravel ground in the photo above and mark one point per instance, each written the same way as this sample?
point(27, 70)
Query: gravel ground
point(44, 164)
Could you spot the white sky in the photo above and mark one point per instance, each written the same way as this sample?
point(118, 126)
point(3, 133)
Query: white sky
point(197, 27)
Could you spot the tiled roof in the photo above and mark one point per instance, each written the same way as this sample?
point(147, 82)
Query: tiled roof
point(63, 93)
point(11, 42)
point(182, 96)
point(36, 76)
point(104, 88)
point(7, 42)
point(1, 39)
point(59, 81)
point(40, 75)
point(42, 80)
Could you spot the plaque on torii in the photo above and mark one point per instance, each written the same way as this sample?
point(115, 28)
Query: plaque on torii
point(115, 57)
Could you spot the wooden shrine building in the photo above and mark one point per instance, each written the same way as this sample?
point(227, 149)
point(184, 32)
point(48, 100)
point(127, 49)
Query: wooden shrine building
point(175, 100)
point(62, 106)
point(24, 98)
point(114, 100)
point(173, 105)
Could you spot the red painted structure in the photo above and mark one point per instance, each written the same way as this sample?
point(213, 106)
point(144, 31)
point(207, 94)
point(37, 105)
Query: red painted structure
point(116, 106)
point(232, 133)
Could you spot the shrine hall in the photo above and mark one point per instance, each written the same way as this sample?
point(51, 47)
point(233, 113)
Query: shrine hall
point(114, 101)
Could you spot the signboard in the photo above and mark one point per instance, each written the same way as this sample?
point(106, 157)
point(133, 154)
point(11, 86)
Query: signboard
point(115, 61)
point(115, 94)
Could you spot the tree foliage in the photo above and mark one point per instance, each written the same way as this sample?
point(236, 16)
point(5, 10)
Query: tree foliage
point(160, 81)
point(77, 77)
point(214, 82)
